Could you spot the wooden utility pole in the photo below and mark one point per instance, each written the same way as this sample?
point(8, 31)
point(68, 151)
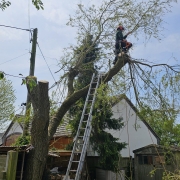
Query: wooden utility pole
point(31, 73)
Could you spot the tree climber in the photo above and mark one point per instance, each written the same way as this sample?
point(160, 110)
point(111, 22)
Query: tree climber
point(121, 43)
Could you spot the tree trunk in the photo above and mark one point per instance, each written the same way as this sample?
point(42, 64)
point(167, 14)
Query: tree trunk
point(39, 131)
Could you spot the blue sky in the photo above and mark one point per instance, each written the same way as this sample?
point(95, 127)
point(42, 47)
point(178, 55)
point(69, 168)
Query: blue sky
point(54, 35)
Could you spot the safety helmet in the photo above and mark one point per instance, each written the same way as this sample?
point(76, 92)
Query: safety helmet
point(120, 27)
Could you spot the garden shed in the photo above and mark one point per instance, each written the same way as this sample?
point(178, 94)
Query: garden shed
point(150, 162)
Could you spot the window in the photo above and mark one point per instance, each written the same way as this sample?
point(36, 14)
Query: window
point(159, 160)
point(145, 159)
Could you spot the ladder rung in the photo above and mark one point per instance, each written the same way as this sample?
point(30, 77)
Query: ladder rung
point(77, 152)
point(73, 170)
point(80, 136)
point(76, 161)
point(79, 143)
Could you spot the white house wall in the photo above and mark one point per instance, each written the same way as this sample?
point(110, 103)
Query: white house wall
point(135, 137)
point(1, 134)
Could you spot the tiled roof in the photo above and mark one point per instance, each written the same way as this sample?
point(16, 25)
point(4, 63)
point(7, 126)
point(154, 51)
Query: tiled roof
point(63, 129)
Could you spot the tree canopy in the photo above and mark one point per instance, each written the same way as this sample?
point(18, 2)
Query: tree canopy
point(7, 99)
point(129, 75)
point(101, 141)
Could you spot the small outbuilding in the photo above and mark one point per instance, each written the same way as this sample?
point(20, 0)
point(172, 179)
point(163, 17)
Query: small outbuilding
point(153, 161)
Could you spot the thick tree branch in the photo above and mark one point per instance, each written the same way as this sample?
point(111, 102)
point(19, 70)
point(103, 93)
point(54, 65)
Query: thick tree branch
point(70, 100)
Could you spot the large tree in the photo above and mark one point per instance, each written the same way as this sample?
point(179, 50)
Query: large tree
point(7, 99)
point(101, 141)
point(162, 113)
point(140, 17)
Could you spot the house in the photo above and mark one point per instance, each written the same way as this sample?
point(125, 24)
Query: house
point(136, 132)
point(61, 138)
point(14, 130)
point(57, 157)
point(152, 161)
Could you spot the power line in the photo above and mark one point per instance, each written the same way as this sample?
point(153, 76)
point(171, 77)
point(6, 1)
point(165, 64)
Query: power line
point(13, 58)
point(46, 62)
point(15, 27)
point(54, 85)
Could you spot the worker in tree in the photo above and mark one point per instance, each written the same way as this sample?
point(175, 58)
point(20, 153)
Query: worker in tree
point(121, 43)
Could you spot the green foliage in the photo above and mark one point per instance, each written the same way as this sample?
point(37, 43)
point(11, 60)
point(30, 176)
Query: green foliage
point(88, 53)
point(23, 81)
point(171, 175)
point(7, 99)
point(108, 148)
point(69, 146)
point(38, 4)
point(103, 142)
point(163, 124)
point(1, 75)
point(4, 4)
point(54, 100)
point(22, 140)
point(31, 82)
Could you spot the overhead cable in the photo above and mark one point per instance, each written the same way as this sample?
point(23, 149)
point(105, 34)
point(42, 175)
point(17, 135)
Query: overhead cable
point(13, 58)
point(15, 27)
point(46, 62)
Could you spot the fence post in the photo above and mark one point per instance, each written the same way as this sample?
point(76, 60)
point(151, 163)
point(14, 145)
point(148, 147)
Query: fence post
point(11, 165)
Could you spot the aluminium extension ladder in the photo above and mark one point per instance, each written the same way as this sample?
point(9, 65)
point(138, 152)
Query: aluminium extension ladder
point(83, 133)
